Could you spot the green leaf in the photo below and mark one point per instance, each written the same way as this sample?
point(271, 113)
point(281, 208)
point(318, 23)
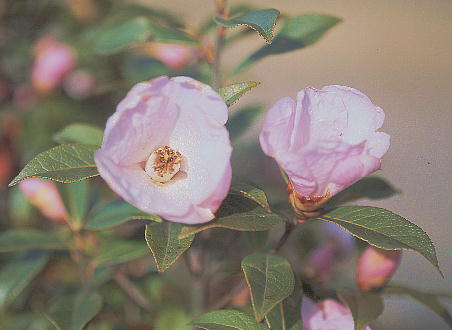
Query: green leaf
point(116, 213)
point(242, 120)
point(262, 20)
point(270, 279)
point(226, 319)
point(172, 36)
point(383, 229)
point(372, 187)
point(117, 252)
point(76, 197)
point(166, 247)
point(80, 133)
point(286, 315)
point(244, 209)
point(298, 32)
point(365, 306)
point(114, 39)
point(16, 275)
point(232, 93)
point(65, 163)
point(74, 312)
point(430, 300)
point(24, 240)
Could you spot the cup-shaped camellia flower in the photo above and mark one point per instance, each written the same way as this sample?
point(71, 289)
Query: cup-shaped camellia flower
point(166, 150)
point(324, 141)
point(53, 61)
point(327, 314)
point(375, 267)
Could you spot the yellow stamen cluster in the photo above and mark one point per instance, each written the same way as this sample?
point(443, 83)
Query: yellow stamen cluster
point(163, 164)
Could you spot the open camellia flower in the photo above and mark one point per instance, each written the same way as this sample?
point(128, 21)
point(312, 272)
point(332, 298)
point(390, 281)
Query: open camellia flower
point(327, 314)
point(324, 141)
point(166, 150)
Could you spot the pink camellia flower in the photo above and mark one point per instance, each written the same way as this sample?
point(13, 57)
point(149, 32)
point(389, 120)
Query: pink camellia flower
point(174, 56)
point(52, 62)
point(327, 314)
point(324, 141)
point(166, 150)
point(45, 197)
point(375, 267)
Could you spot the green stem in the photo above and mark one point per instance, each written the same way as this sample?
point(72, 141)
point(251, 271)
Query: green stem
point(222, 12)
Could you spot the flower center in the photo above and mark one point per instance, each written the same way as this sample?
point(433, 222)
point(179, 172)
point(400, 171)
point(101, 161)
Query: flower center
point(163, 164)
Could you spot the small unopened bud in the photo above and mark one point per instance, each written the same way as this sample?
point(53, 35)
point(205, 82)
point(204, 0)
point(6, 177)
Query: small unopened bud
point(375, 267)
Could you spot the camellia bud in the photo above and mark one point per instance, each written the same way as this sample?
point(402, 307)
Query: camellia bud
point(45, 197)
point(375, 267)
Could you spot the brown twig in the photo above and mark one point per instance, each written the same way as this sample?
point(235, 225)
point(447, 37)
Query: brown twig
point(132, 291)
point(221, 11)
point(285, 236)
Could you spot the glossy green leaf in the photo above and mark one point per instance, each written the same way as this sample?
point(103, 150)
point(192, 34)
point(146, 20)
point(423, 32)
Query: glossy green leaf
point(244, 209)
point(80, 133)
point(166, 247)
point(261, 20)
point(286, 314)
point(172, 36)
point(76, 197)
point(226, 319)
point(24, 240)
point(232, 93)
point(298, 32)
point(242, 120)
point(365, 306)
point(116, 213)
point(117, 252)
point(383, 229)
point(113, 39)
point(372, 187)
point(74, 312)
point(65, 163)
point(270, 279)
point(17, 274)
point(428, 299)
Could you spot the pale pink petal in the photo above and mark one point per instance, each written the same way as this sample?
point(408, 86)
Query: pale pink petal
point(326, 315)
point(275, 137)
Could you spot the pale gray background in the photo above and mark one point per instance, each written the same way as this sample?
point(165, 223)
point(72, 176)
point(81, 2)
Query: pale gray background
point(397, 52)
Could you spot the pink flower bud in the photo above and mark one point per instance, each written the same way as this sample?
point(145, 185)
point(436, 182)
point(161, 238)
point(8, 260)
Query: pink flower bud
point(324, 141)
point(79, 84)
point(45, 197)
point(375, 267)
point(52, 62)
point(175, 57)
point(327, 314)
point(166, 150)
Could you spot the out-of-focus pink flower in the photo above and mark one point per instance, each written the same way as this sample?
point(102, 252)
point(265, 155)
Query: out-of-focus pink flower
point(166, 150)
point(79, 84)
point(325, 140)
point(6, 165)
point(53, 61)
point(45, 197)
point(174, 56)
point(327, 314)
point(321, 261)
point(375, 267)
